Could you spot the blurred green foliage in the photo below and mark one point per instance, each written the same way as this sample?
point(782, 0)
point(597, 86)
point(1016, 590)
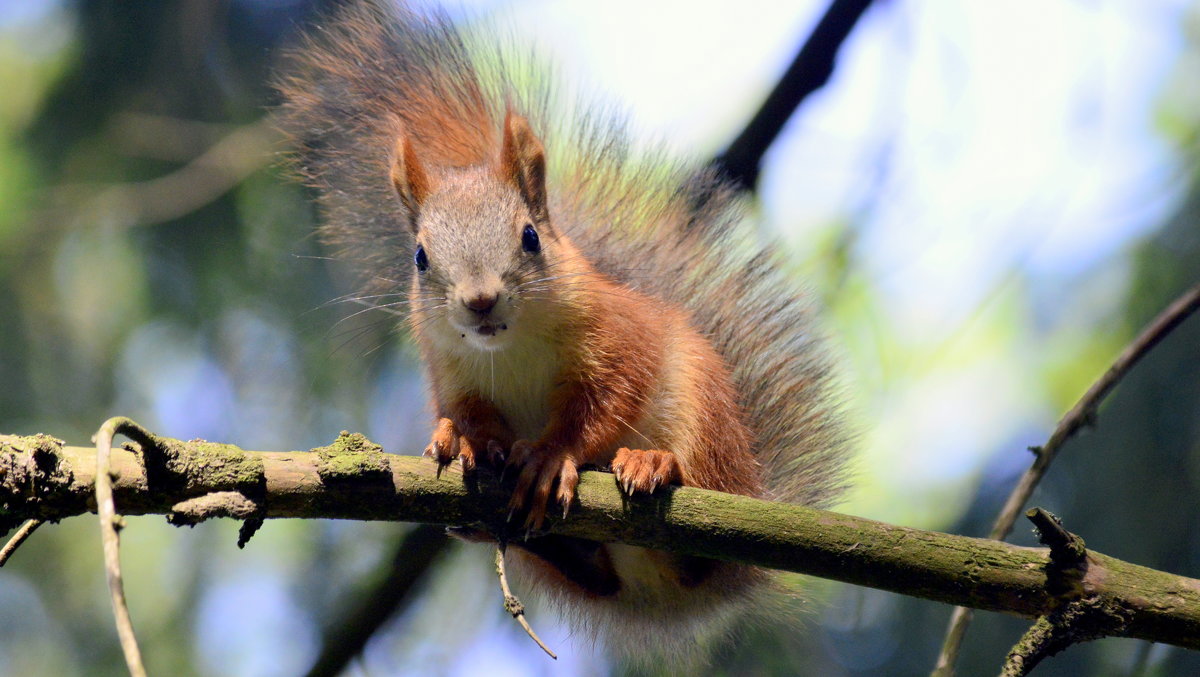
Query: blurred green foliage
point(200, 307)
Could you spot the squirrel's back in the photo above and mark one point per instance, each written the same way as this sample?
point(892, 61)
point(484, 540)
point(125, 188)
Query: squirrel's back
point(366, 72)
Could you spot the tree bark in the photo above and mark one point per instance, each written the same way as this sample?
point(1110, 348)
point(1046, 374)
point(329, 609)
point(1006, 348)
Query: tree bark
point(42, 478)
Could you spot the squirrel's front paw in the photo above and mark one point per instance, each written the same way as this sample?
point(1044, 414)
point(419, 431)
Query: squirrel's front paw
point(448, 444)
point(644, 470)
point(540, 469)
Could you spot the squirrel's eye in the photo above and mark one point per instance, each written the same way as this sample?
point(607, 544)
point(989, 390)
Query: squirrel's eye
point(530, 241)
point(421, 259)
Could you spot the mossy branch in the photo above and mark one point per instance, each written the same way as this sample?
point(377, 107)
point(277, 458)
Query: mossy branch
point(42, 478)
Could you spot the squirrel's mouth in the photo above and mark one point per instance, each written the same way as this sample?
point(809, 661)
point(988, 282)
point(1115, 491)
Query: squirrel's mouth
point(490, 329)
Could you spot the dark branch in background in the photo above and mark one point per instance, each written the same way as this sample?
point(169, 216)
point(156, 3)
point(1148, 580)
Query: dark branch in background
point(810, 70)
point(739, 164)
point(1082, 414)
point(348, 636)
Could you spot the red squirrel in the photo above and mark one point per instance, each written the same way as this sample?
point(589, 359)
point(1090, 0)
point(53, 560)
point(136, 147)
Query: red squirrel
point(574, 306)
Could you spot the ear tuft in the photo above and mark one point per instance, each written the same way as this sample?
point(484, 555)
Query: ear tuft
point(523, 163)
point(408, 177)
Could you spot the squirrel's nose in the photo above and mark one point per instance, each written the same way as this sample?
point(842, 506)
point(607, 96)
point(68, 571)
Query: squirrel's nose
point(482, 304)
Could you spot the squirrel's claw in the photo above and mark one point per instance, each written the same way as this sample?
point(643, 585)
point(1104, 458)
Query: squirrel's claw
point(447, 444)
point(540, 472)
point(495, 453)
point(466, 454)
point(444, 446)
point(644, 470)
point(568, 479)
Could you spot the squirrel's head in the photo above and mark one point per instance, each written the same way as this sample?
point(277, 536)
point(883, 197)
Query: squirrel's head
point(485, 249)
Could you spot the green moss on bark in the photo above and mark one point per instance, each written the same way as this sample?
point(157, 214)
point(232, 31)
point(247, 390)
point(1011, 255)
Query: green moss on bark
point(34, 475)
point(352, 457)
point(198, 466)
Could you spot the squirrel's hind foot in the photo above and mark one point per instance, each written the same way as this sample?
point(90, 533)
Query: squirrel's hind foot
point(644, 470)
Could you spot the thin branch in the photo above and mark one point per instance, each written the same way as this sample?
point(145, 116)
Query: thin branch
point(110, 525)
point(1039, 641)
point(352, 479)
point(960, 618)
point(210, 175)
point(1075, 622)
point(18, 538)
point(1083, 413)
point(808, 72)
point(513, 605)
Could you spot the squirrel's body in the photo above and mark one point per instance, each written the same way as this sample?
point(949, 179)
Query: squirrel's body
point(577, 309)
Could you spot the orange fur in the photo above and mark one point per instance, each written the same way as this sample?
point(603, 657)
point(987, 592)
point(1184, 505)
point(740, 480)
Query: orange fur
point(632, 330)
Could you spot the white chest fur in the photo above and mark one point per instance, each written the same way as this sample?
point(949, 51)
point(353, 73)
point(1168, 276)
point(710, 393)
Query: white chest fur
point(518, 380)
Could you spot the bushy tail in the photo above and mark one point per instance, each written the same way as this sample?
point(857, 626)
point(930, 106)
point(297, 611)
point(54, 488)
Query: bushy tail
point(631, 212)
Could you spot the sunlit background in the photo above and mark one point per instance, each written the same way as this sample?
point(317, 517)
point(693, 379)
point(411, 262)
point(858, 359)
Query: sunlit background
point(989, 197)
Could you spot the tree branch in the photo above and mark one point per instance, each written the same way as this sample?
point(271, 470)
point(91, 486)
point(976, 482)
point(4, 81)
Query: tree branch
point(1082, 414)
point(348, 636)
point(111, 524)
point(1076, 619)
point(353, 479)
point(808, 72)
point(18, 538)
point(1084, 411)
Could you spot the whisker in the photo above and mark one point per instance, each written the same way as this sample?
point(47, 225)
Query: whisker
point(354, 334)
point(649, 443)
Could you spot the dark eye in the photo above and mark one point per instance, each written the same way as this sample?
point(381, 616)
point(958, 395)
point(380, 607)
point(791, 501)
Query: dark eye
point(530, 241)
point(421, 259)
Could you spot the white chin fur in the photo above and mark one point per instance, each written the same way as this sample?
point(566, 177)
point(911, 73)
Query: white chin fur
point(470, 337)
point(485, 342)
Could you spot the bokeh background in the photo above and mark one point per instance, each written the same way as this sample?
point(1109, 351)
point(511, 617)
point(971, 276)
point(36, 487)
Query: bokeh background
point(989, 198)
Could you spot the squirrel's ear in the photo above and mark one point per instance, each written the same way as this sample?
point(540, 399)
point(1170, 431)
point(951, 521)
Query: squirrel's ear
point(409, 178)
point(523, 162)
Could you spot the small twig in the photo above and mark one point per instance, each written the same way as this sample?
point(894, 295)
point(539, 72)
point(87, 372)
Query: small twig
point(960, 618)
point(110, 524)
point(232, 504)
point(1076, 622)
point(1083, 413)
point(18, 538)
point(1068, 556)
point(250, 526)
point(1065, 547)
point(1034, 645)
point(513, 605)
